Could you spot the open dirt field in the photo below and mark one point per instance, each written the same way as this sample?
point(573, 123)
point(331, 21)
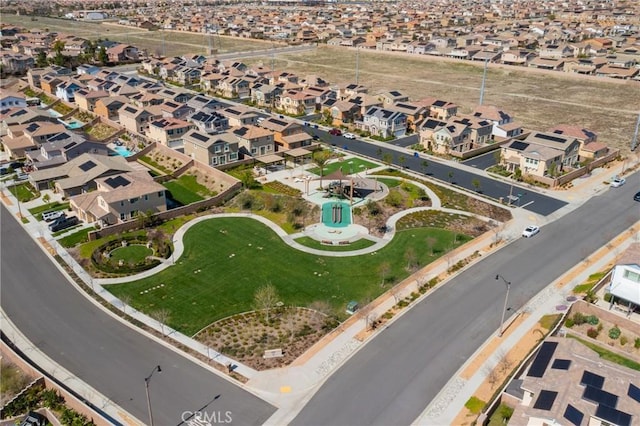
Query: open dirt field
point(538, 100)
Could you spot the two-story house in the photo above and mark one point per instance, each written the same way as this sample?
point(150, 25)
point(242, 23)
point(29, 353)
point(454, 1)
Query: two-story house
point(296, 102)
point(209, 122)
point(503, 124)
point(384, 122)
point(86, 99)
point(109, 108)
point(255, 141)
point(213, 150)
point(287, 135)
point(169, 131)
point(137, 119)
point(119, 198)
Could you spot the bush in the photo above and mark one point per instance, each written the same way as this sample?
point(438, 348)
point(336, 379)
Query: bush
point(593, 320)
point(579, 318)
point(475, 405)
point(624, 340)
point(607, 297)
point(614, 332)
point(592, 332)
point(636, 343)
point(569, 323)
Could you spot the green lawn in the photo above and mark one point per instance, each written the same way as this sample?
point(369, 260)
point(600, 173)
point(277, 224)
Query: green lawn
point(149, 161)
point(76, 238)
point(24, 192)
point(55, 206)
point(227, 259)
point(180, 193)
point(135, 253)
point(356, 245)
point(347, 168)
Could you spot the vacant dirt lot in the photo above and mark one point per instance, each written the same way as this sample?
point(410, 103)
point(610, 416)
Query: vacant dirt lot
point(538, 100)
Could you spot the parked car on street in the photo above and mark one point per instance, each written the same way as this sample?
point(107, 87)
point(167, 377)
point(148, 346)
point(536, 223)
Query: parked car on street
point(637, 196)
point(335, 132)
point(530, 231)
point(617, 182)
point(63, 223)
point(349, 136)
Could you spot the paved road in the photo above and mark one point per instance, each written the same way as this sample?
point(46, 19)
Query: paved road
point(483, 161)
point(392, 379)
point(531, 200)
point(109, 356)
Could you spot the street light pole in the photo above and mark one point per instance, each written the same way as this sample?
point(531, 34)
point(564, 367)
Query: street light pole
point(506, 300)
point(146, 387)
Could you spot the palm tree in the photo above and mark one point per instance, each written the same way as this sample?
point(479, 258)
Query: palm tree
point(320, 159)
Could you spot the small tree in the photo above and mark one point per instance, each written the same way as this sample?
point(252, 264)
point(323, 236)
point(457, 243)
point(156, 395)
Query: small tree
point(431, 242)
point(387, 158)
point(266, 298)
point(411, 257)
point(162, 316)
point(476, 184)
point(384, 269)
point(320, 159)
point(402, 160)
point(46, 198)
point(424, 164)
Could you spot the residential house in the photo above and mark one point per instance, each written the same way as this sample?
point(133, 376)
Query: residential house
point(439, 109)
point(78, 175)
point(453, 136)
point(109, 108)
point(351, 90)
point(205, 103)
point(22, 137)
point(169, 131)
point(234, 88)
point(541, 154)
point(287, 135)
point(122, 53)
point(345, 112)
point(137, 119)
point(119, 198)
point(265, 95)
point(175, 110)
point(61, 148)
point(213, 150)
point(503, 124)
point(209, 122)
point(391, 98)
point(175, 95)
point(10, 99)
point(66, 91)
point(415, 113)
point(86, 99)
point(16, 63)
point(384, 122)
point(296, 102)
point(239, 116)
point(255, 141)
point(624, 284)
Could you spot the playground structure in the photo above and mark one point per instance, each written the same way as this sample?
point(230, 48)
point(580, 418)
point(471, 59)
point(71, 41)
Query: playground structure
point(336, 214)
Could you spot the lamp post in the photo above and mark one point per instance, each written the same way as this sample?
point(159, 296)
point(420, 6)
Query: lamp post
point(506, 300)
point(146, 387)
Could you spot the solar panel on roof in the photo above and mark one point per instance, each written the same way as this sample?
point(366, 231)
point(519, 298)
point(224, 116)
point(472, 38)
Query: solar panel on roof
point(405, 106)
point(592, 379)
point(613, 416)
point(634, 392)
point(561, 364)
point(117, 181)
point(574, 415)
point(70, 145)
point(545, 400)
point(541, 361)
point(599, 396)
point(199, 137)
point(439, 103)
point(278, 122)
point(86, 166)
point(394, 93)
point(130, 109)
point(550, 138)
point(519, 145)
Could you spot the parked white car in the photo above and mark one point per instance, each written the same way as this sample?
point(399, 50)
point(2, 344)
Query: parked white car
point(349, 136)
point(530, 231)
point(617, 182)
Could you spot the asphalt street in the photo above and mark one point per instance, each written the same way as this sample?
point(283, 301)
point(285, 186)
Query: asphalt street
point(483, 161)
point(396, 375)
point(530, 199)
point(103, 352)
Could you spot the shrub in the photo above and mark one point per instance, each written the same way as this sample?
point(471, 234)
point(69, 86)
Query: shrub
point(475, 405)
point(624, 340)
point(569, 323)
point(607, 297)
point(579, 318)
point(600, 327)
point(593, 320)
point(636, 343)
point(614, 332)
point(592, 332)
